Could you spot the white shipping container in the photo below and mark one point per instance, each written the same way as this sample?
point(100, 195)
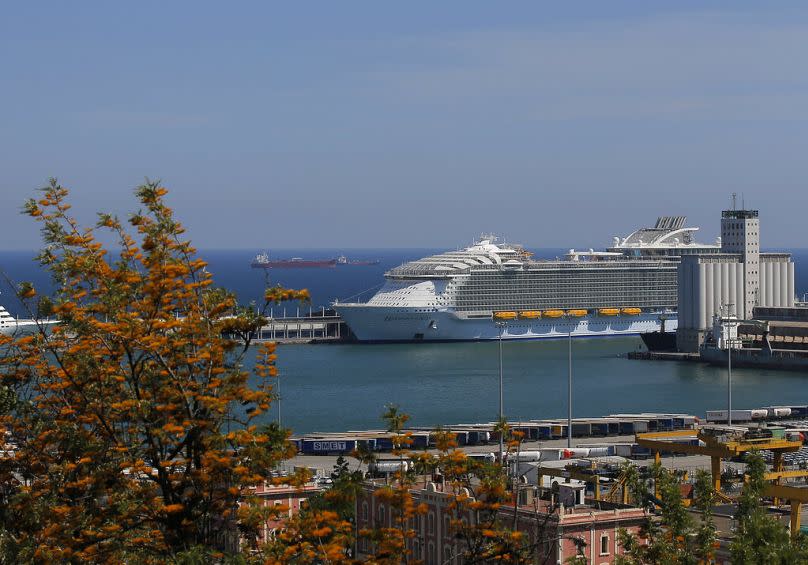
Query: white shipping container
point(737, 415)
point(774, 412)
point(622, 449)
point(759, 413)
point(575, 452)
point(388, 466)
point(528, 456)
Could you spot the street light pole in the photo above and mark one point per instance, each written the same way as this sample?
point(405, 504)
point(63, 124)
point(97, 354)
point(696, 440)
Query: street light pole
point(727, 325)
point(569, 391)
point(501, 410)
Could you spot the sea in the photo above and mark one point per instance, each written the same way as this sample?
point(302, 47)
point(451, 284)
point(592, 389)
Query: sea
point(341, 387)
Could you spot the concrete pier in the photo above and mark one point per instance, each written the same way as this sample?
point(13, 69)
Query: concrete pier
point(316, 327)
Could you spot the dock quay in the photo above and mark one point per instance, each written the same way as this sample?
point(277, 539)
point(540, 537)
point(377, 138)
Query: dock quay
point(316, 326)
point(607, 431)
point(483, 434)
point(664, 356)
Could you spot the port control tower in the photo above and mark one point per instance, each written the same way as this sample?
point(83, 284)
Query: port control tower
point(740, 235)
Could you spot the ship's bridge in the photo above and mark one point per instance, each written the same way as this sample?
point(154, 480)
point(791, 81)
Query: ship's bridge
point(484, 251)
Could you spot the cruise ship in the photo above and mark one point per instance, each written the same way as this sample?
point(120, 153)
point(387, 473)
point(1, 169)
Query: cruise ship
point(493, 290)
point(9, 325)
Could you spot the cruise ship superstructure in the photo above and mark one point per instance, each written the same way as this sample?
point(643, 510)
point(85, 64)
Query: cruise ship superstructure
point(491, 289)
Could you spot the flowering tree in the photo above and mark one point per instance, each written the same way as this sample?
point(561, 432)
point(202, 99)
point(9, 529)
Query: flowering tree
point(131, 428)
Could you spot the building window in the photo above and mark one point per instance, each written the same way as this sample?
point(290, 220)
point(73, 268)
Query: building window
point(365, 511)
point(430, 523)
point(381, 515)
point(604, 545)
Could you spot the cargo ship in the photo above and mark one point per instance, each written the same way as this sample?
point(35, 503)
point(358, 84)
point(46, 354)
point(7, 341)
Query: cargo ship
point(493, 290)
point(262, 261)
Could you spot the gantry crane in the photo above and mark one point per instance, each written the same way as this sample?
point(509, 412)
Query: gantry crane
point(728, 442)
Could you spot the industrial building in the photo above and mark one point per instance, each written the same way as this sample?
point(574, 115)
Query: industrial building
point(732, 282)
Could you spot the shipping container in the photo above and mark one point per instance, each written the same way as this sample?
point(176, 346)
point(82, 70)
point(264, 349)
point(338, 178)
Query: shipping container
point(599, 428)
point(799, 411)
point(664, 424)
point(737, 415)
point(623, 449)
point(488, 457)
point(545, 431)
point(581, 429)
point(631, 427)
point(778, 412)
point(524, 456)
point(640, 451)
point(328, 446)
point(388, 467)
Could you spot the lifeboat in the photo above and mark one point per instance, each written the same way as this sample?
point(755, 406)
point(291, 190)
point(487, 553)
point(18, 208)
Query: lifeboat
point(530, 314)
point(631, 311)
point(504, 315)
point(577, 313)
point(609, 311)
point(553, 313)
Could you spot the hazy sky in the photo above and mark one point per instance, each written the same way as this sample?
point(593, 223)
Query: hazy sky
point(374, 124)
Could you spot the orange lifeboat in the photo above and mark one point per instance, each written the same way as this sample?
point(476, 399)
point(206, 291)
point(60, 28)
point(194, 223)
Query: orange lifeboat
point(553, 313)
point(609, 311)
point(530, 314)
point(631, 311)
point(504, 315)
point(577, 313)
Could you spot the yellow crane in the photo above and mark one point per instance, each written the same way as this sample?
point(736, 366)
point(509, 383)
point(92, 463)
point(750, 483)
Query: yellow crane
point(579, 473)
point(718, 449)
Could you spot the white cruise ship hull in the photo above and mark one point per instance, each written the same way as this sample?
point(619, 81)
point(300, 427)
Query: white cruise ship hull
point(384, 324)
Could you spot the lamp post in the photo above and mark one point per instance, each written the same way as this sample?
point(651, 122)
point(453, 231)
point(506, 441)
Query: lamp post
point(501, 326)
point(728, 324)
point(278, 388)
point(569, 389)
point(729, 383)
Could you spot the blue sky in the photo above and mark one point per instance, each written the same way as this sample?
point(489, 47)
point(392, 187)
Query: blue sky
point(368, 124)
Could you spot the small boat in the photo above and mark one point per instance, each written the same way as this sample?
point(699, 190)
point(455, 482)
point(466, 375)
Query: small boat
point(553, 313)
point(504, 315)
point(530, 314)
point(609, 311)
point(577, 313)
point(631, 311)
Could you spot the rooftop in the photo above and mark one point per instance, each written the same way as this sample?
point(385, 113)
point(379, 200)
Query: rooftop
point(739, 214)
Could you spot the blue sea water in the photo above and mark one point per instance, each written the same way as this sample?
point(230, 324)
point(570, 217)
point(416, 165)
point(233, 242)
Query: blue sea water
point(341, 387)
